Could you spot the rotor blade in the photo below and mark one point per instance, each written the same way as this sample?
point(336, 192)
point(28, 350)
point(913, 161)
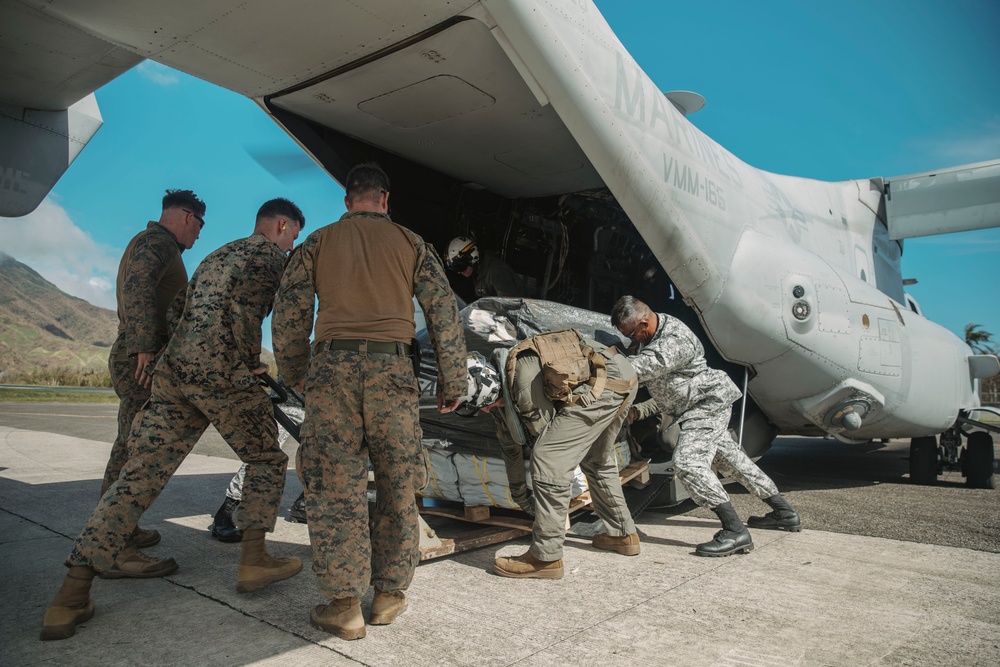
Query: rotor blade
point(283, 164)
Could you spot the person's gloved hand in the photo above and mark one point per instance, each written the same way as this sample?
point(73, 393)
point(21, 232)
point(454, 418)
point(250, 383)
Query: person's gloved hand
point(633, 414)
point(525, 501)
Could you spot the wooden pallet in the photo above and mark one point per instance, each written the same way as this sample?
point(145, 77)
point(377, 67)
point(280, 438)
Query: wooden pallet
point(495, 525)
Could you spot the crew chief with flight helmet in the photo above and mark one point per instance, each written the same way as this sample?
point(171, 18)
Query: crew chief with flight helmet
point(493, 276)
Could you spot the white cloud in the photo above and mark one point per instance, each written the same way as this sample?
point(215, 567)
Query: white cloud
point(980, 245)
point(49, 242)
point(979, 146)
point(159, 74)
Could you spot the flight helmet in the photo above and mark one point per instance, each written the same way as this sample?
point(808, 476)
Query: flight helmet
point(462, 253)
point(484, 386)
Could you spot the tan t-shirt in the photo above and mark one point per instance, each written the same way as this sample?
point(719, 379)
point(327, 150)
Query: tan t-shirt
point(364, 273)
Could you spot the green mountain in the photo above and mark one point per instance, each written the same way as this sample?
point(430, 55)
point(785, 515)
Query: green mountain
point(46, 334)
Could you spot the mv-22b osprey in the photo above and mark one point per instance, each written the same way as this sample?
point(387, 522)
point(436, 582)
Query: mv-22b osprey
point(526, 124)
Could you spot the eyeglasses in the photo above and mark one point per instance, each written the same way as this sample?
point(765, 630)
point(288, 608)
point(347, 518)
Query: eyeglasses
point(196, 217)
point(639, 325)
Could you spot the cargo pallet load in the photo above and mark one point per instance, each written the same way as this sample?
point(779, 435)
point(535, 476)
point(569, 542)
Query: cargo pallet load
point(449, 527)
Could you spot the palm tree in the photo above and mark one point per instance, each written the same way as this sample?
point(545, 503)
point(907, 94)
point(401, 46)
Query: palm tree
point(978, 339)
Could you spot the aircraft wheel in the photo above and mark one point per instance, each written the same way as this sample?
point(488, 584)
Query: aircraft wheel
point(923, 460)
point(979, 461)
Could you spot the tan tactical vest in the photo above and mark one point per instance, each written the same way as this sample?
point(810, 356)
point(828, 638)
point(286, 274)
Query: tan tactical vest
point(567, 362)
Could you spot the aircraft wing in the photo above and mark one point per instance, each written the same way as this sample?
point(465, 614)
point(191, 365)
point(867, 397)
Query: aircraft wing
point(49, 70)
point(419, 79)
point(958, 199)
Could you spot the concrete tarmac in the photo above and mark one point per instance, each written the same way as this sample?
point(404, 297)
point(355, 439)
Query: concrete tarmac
point(818, 597)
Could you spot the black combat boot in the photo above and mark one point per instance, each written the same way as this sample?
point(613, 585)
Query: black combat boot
point(223, 529)
point(298, 512)
point(782, 518)
point(733, 538)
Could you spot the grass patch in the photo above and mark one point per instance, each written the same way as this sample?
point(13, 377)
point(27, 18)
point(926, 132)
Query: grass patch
point(56, 396)
point(61, 377)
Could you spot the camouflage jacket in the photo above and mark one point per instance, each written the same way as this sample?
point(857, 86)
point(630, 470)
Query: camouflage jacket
point(150, 274)
point(294, 305)
point(672, 367)
point(217, 341)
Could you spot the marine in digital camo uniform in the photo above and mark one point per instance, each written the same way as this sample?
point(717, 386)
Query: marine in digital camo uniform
point(562, 435)
point(361, 395)
point(671, 364)
point(150, 274)
point(207, 374)
point(223, 527)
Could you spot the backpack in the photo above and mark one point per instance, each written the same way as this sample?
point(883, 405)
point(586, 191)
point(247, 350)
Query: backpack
point(567, 362)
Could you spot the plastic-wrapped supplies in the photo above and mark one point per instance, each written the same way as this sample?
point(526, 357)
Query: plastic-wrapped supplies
point(478, 475)
point(480, 480)
point(442, 475)
point(483, 481)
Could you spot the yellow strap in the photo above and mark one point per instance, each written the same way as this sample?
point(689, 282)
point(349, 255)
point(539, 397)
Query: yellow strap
point(433, 481)
point(485, 482)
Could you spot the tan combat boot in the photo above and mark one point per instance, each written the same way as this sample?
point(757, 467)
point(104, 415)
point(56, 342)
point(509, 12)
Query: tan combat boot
point(341, 618)
point(143, 539)
point(387, 606)
point(133, 564)
point(257, 568)
point(527, 566)
point(626, 545)
point(71, 606)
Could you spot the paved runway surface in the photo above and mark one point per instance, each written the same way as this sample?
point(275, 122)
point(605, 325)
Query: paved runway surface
point(855, 489)
point(93, 421)
point(885, 573)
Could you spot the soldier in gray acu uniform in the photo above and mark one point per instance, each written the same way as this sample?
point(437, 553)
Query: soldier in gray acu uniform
point(361, 395)
point(671, 364)
point(150, 274)
point(207, 374)
point(561, 436)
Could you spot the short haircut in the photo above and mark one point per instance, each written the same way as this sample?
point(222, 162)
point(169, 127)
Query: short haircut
point(366, 181)
point(184, 199)
point(276, 208)
point(627, 310)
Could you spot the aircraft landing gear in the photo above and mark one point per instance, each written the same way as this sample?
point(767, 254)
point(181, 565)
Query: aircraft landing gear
point(929, 456)
point(924, 466)
point(978, 462)
point(977, 459)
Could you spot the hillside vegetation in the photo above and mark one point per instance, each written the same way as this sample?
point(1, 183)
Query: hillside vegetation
point(47, 336)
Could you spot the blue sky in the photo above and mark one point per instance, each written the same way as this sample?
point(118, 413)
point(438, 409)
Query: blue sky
point(849, 90)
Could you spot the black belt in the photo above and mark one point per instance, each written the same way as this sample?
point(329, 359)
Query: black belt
point(364, 346)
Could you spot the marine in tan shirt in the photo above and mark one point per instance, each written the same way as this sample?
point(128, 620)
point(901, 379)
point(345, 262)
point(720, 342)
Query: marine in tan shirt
point(361, 395)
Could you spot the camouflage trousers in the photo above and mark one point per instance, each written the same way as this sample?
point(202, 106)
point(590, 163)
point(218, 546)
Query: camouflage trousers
point(235, 489)
point(171, 425)
point(705, 447)
point(361, 407)
point(132, 396)
point(580, 435)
